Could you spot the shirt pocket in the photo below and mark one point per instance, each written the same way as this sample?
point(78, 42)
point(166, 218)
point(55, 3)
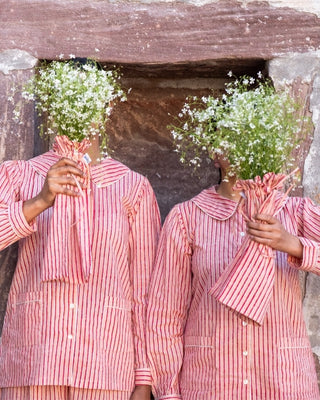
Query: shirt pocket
point(297, 377)
point(117, 325)
point(198, 369)
point(24, 320)
point(117, 355)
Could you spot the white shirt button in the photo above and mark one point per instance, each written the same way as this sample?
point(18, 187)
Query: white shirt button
point(245, 353)
point(72, 305)
point(242, 233)
point(244, 323)
point(70, 337)
point(245, 381)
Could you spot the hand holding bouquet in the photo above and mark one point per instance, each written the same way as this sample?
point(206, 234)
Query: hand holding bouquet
point(256, 129)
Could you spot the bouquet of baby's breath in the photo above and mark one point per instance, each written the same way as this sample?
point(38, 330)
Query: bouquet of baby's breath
point(254, 126)
point(74, 98)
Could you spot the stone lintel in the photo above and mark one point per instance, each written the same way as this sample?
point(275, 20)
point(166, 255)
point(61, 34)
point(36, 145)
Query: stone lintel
point(156, 33)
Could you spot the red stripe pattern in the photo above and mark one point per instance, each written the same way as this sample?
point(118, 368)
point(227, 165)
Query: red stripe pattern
point(70, 259)
point(235, 287)
point(198, 348)
point(86, 335)
point(60, 393)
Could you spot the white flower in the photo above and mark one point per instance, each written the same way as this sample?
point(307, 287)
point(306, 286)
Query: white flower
point(259, 119)
point(16, 114)
point(174, 134)
point(73, 98)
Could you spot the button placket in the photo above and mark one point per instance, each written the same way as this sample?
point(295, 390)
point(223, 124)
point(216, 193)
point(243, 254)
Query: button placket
point(72, 331)
point(246, 356)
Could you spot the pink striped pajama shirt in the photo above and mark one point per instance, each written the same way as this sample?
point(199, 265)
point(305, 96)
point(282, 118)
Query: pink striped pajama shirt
point(88, 331)
point(198, 348)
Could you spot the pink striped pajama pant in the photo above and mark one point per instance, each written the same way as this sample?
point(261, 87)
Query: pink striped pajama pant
point(60, 393)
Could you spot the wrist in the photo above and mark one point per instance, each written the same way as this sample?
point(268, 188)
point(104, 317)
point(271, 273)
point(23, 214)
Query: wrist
point(145, 388)
point(33, 207)
point(296, 247)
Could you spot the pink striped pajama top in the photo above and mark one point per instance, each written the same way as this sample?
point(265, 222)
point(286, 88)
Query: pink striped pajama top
point(201, 350)
point(85, 331)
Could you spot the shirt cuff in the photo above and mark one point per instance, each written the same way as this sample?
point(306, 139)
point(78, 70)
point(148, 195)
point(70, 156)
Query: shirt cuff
point(19, 224)
point(170, 397)
point(143, 376)
point(310, 257)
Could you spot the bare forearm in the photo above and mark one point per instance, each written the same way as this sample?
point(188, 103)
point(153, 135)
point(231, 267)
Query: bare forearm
point(33, 207)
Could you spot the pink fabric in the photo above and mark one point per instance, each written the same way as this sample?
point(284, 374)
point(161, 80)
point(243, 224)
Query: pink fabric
point(60, 393)
point(86, 335)
point(235, 288)
point(200, 349)
point(68, 251)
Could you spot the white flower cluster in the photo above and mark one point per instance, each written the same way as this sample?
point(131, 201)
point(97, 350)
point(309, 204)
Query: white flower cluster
point(252, 125)
point(76, 100)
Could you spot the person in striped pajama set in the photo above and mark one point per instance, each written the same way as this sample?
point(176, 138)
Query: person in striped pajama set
point(74, 326)
point(198, 348)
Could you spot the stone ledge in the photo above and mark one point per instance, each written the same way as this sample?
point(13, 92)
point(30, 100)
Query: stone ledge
point(158, 33)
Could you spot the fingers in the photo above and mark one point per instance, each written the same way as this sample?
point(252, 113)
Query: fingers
point(265, 229)
point(64, 181)
point(62, 189)
point(63, 174)
point(266, 218)
point(66, 161)
point(65, 166)
point(64, 177)
point(263, 222)
point(269, 231)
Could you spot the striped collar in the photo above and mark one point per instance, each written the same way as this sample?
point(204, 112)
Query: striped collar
point(104, 174)
point(215, 205)
point(221, 208)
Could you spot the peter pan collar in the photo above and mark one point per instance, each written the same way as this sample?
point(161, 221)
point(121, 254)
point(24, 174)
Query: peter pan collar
point(215, 205)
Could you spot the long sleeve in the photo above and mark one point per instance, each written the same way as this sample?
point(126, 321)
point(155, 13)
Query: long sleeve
point(143, 239)
point(307, 215)
point(169, 301)
point(12, 220)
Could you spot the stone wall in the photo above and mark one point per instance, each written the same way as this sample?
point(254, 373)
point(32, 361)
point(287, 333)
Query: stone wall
point(167, 50)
